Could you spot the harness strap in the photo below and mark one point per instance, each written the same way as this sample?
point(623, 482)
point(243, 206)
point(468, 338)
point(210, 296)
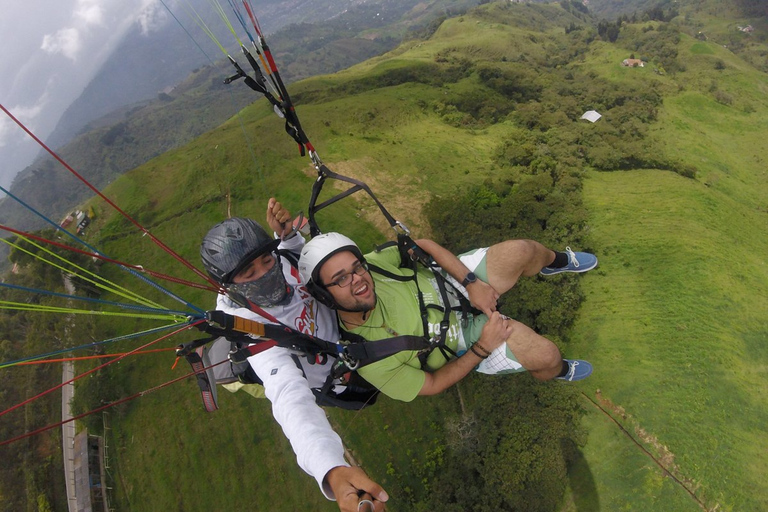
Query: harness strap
point(207, 388)
point(323, 173)
point(438, 341)
point(355, 354)
point(368, 352)
point(193, 353)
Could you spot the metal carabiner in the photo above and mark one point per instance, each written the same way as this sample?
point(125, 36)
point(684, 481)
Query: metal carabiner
point(352, 364)
point(402, 227)
point(315, 159)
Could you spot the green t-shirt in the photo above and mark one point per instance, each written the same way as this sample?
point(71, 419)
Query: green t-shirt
point(397, 313)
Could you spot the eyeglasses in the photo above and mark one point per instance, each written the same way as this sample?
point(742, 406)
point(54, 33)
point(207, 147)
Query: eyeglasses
point(345, 279)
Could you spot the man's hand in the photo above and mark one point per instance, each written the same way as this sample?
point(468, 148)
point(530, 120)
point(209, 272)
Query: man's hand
point(350, 485)
point(279, 218)
point(495, 332)
point(482, 296)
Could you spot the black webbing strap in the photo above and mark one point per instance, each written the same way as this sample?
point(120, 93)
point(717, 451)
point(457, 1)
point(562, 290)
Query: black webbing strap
point(410, 253)
point(413, 277)
point(207, 388)
point(235, 328)
point(355, 354)
point(324, 173)
point(283, 105)
point(258, 84)
point(193, 352)
point(367, 352)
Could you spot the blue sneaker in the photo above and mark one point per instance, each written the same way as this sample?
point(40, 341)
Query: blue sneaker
point(577, 369)
point(577, 262)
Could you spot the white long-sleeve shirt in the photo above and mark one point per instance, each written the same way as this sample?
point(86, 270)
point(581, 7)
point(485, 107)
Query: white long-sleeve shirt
point(317, 447)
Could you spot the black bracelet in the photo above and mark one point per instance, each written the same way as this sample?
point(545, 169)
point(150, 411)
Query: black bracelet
point(472, 349)
point(481, 349)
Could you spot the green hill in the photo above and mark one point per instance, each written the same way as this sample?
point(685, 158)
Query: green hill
point(478, 129)
point(131, 136)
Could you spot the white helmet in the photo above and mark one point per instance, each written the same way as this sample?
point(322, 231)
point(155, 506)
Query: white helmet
point(317, 251)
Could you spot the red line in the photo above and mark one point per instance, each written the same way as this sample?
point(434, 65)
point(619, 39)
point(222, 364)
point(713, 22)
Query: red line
point(105, 198)
point(110, 260)
point(99, 409)
point(256, 26)
point(271, 61)
point(98, 368)
point(83, 358)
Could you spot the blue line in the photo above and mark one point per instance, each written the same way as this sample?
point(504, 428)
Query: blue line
point(241, 19)
point(185, 30)
point(123, 305)
point(232, 99)
point(83, 242)
point(90, 345)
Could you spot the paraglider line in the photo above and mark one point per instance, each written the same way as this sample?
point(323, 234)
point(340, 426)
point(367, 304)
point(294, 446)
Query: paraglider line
point(101, 257)
point(89, 345)
point(112, 404)
point(159, 243)
point(102, 356)
point(59, 386)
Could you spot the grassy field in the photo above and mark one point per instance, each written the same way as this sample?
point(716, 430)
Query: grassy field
point(674, 320)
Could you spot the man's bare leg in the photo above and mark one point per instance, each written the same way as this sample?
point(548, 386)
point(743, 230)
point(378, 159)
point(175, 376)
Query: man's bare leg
point(536, 353)
point(507, 261)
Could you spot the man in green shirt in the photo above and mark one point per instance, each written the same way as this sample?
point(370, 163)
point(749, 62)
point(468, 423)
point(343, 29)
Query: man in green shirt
point(388, 301)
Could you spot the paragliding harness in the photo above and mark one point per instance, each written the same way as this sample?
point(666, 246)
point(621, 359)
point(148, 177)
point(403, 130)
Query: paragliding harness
point(249, 337)
point(352, 352)
point(233, 339)
point(411, 255)
point(221, 358)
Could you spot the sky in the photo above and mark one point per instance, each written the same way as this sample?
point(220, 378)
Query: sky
point(50, 52)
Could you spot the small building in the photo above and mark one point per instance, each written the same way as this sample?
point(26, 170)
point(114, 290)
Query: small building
point(84, 223)
point(90, 481)
point(747, 29)
point(67, 221)
point(591, 115)
point(633, 63)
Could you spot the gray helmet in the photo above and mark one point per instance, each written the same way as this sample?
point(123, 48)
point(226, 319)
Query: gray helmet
point(231, 245)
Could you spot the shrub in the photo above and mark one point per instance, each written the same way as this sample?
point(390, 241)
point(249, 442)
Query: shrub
point(723, 98)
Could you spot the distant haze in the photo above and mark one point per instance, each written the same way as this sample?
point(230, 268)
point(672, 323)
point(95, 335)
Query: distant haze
point(51, 50)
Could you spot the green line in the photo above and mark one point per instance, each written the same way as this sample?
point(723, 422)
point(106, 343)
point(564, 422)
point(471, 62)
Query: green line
point(116, 289)
point(200, 23)
point(218, 8)
point(23, 306)
point(70, 350)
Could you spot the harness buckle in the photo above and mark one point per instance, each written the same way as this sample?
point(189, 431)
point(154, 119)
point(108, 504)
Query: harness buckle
point(236, 76)
point(349, 361)
point(401, 228)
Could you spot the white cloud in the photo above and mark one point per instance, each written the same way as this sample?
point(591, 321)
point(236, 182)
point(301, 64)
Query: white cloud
point(152, 17)
point(5, 131)
point(90, 12)
point(66, 41)
point(27, 115)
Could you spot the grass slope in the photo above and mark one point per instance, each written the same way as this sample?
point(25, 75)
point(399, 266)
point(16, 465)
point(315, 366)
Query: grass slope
point(674, 320)
point(676, 314)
